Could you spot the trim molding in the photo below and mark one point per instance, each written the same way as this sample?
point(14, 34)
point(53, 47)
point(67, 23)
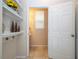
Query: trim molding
point(39, 45)
point(20, 57)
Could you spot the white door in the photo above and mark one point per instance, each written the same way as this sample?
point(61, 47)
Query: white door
point(61, 31)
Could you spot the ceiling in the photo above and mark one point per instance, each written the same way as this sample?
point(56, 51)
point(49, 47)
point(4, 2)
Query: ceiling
point(52, 2)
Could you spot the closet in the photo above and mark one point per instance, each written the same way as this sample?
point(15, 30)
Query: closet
point(11, 20)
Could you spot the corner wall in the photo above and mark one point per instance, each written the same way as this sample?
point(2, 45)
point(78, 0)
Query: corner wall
point(21, 45)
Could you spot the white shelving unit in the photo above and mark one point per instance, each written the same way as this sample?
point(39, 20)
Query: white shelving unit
point(11, 34)
point(12, 13)
point(7, 37)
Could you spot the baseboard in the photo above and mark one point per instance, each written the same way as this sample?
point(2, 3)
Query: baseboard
point(50, 58)
point(20, 57)
point(39, 45)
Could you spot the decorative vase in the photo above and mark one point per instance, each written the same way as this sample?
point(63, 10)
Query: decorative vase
point(12, 27)
point(16, 27)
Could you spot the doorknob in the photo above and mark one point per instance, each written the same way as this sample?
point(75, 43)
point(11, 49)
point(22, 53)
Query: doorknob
point(72, 35)
point(6, 38)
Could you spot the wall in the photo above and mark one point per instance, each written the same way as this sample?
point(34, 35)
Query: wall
point(76, 29)
point(21, 45)
point(0, 31)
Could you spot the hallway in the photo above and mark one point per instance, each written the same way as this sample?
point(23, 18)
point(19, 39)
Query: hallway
point(38, 53)
point(38, 29)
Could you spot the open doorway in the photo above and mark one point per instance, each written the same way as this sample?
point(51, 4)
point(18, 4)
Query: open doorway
point(38, 33)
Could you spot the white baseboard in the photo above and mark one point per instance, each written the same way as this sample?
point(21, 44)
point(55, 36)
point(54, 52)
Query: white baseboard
point(39, 45)
point(20, 57)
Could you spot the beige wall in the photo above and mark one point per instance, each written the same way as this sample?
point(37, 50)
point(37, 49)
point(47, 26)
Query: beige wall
point(38, 36)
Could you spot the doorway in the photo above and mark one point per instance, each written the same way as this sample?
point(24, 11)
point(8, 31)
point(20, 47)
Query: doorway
point(38, 33)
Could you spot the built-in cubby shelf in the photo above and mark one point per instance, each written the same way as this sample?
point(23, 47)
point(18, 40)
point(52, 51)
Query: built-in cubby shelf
point(11, 11)
point(9, 15)
point(11, 28)
point(11, 34)
point(19, 3)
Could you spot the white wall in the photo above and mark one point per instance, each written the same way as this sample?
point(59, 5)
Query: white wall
point(76, 30)
point(47, 3)
point(0, 31)
point(21, 42)
point(20, 47)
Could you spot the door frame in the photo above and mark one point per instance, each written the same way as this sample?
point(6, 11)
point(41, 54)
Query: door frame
point(28, 11)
